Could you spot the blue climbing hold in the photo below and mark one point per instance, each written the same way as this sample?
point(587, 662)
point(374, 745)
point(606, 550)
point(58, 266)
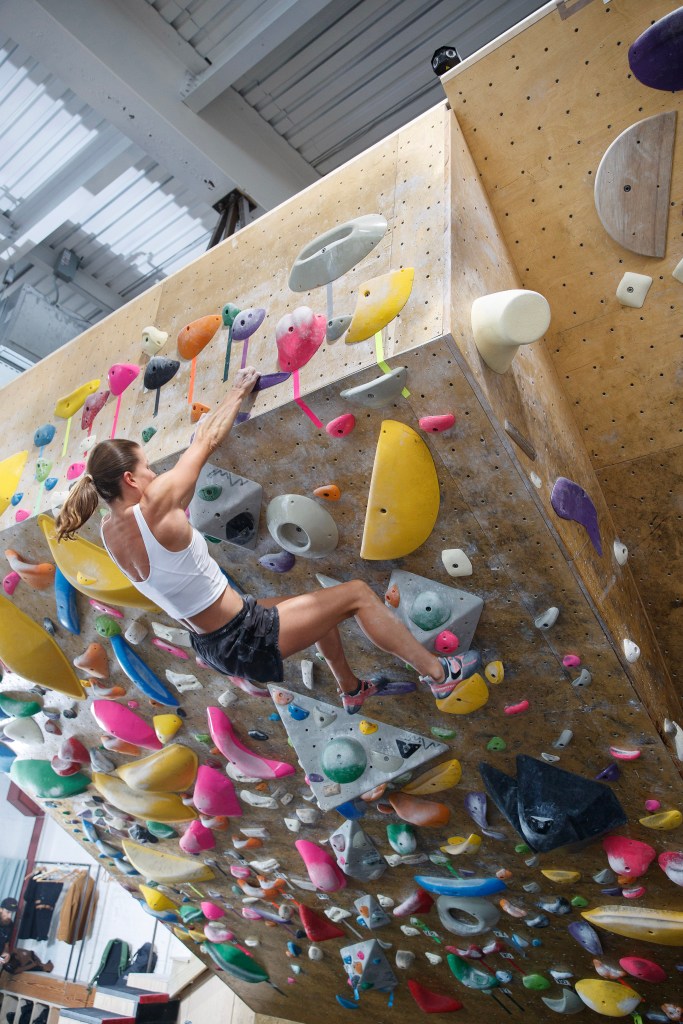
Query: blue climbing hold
point(297, 713)
point(348, 1004)
point(50, 483)
point(16, 498)
point(43, 435)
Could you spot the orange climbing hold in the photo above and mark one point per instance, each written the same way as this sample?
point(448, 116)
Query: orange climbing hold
point(428, 813)
point(94, 661)
point(330, 492)
point(197, 335)
point(198, 410)
point(393, 596)
point(40, 576)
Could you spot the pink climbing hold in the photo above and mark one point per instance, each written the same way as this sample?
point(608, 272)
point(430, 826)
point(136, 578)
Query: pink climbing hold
point(446, 642)
point(240, 871)
point(247, 686)
point(223, 735)
point(10, 582)
point(634, 892)
point(93, 404)
point(214, 794)
point(517, 709)
point(299, 335)
point(571, 661)
point(342, 425)
point(211, 911)
point(21, 515)
point(322, 869)
point(671, 864)
point(105, 609)
point(121, 376)
point(437, 424)
point(120, 721)
point(644, 970)
point(75, 470)
point(218, 933)
point(163, 645)
point(652, 805)
point(623, 754)
point(628, 857)
point(197, 839)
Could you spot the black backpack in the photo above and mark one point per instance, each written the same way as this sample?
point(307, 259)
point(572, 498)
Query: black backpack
point(144, 961)
point(112, 965)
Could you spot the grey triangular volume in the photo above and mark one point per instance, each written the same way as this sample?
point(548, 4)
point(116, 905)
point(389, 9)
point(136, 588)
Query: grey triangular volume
point(427, 608)
point(340, 761)
point(367, 966)
point(226, 506)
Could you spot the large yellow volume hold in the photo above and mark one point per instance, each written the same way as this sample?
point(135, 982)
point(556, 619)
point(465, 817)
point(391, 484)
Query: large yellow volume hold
point(29, 651)
point(403, 502)
point(442, 776)
point(10, 475)
point(467, 696)
point(148, 806)
point(172, 769)
point(165, 868)
point(90, 570)
point(607, 997)
point(379, 301)
point(662, 926)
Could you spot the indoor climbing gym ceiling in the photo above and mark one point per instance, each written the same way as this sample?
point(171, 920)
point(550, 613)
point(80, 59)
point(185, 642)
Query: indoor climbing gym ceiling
point(468, 337)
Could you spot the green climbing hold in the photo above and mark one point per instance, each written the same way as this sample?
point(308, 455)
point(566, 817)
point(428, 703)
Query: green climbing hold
point(148, 433)
point(43, 468)
point(536, 982)
point(578, 901)
point(190, 913)
point(522, 848)
point(107, 626)
point(38, 779)
point(211, 540)
point(429, 611)
point(496, 743)
point(344, 759)
point(210, 493)
point(17, 708)
point(202, 737)
point(441, 733)
point(160, 830)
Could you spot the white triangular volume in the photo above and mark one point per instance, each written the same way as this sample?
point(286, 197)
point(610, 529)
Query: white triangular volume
point(340, 761)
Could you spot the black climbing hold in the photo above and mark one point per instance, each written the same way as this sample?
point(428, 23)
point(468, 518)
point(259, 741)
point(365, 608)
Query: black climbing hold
point(256, 734)
point(49, 626)
point(240, 529)
point(407, 750)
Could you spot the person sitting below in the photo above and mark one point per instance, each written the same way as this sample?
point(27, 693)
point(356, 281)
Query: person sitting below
point(148, 536)
point(16, 961)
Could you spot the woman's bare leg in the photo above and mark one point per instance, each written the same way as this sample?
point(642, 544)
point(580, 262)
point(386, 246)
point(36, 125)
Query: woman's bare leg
point(312, 619)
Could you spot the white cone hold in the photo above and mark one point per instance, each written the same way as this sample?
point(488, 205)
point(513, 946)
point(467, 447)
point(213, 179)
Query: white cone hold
point(502, 321)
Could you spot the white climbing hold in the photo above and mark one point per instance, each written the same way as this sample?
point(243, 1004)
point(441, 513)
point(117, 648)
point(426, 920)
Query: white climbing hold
point(433, 958)
point(547, 619)
point(286, 798)
point(233, 772)
point(308, 815)
point(620, 552)
point(227, 697)
point(674, 730)
point(307, 673)
point(563, 739)
point(536, 480)
point(404, 958)
point(550, 758)
point(258, 799)
point(337, 914)
point(633, 288)
point(677, 271)
point(385, 902)
point(264, 866)
point(394, 859)
point(315, 953)
point(408, 929)
point(255, 832)
point(136, 632)
point(251, 941)
point(631, 650)
point(456, 562)
point(502, 321)
point(183, 683)
point(172, 634)
point(584, 679)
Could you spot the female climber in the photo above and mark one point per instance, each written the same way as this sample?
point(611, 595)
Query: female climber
point(147, 534)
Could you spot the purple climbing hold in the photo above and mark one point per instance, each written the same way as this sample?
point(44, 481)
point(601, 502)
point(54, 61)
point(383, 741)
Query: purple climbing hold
point(279, 561)
point(270, 380)
point(609, 774)
point(246, 323)
point(656, 57)
point(586, 936)
point(475, 805)
point(571, 502)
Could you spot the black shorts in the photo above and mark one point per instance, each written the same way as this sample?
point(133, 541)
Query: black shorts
point(247, 646)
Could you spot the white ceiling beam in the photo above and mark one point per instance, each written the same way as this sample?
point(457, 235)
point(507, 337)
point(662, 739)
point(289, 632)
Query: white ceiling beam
point(106, 52)
point(259, 35)
point(106, 146)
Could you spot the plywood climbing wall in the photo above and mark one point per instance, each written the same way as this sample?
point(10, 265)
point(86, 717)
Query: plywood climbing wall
point(492, 504)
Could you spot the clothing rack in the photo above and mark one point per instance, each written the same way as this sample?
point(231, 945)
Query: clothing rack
point(83, 918)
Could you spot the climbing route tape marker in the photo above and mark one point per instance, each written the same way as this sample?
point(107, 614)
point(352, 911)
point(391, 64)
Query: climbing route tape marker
point(228, 348)
point(68, 431)
point(329, 301)
point(114, 424)
point(300, 402)
point(379, 356)
point(190, 390)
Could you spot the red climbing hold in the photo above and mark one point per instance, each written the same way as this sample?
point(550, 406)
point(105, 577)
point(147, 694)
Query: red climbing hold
point(436, 424)
point(318, 928)
point(432, 1002)
point(342, 425)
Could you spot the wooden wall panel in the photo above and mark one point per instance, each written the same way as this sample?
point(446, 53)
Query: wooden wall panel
point(537, 113)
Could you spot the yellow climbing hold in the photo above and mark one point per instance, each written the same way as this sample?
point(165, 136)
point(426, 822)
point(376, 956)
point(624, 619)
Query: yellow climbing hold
point(662, 926)
point(468, 696)
point(149, 806)
point(458, 845)
point(494, 672)
point(379, 301)
point(609, 998)
point(166, 726)
point(367, 728)
point(561, 877)
point(403, 502)
point(90, 570)
point(71, 403)
point(172, 769)
point(10, 475)
point(664, 820)
point(440, 777)
point(156, 900)
point(165, 868)
point(28, 650)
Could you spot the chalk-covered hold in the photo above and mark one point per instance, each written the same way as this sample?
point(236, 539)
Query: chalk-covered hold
point(456, 562)
point(633, 288)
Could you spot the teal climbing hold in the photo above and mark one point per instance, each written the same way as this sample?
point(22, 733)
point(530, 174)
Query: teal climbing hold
point(210, 493)
point(344, 760)
point(429, 610)
point(148, 433)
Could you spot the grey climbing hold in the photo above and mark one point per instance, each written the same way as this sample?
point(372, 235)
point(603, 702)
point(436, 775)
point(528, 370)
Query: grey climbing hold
point(233, 515)
point(333, 253)
point(371, 913)
point(467, 915)
point(423, 601)
point(356, 854)
point(582, 680)
point(379, 391)
point(367, 966)
point(631, 651)
point(307, 673)
point(564, 739)
point(620, 552)
point(336, 326)
point(605, 877)
point(404, 959)
point(301, 526)
point(547, 619)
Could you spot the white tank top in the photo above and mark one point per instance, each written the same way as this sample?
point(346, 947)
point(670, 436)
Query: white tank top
point(182, 583)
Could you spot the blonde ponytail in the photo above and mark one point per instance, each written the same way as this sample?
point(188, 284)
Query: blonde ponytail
point(81, 502)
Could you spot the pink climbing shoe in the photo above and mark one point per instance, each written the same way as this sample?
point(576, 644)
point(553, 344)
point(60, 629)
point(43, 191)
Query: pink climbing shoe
point(456, 668)
point(353, 702)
